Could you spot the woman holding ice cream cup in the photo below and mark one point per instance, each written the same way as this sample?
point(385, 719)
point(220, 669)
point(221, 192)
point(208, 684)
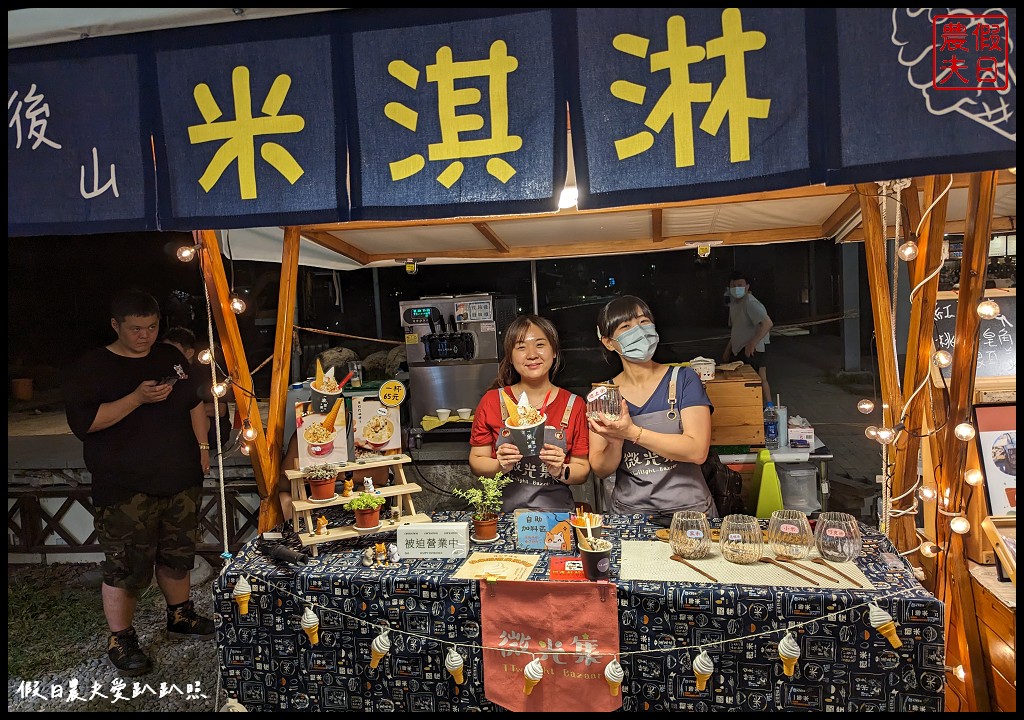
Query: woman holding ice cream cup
point(657, 444)
point(526, 427)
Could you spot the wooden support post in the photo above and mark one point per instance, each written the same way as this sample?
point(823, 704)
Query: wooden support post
point(980, 203)
point(265, 468)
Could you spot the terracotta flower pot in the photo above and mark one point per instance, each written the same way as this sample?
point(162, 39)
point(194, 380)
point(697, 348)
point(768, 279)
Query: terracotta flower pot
point(367, 518)
point(322, 489)
point(486, 529)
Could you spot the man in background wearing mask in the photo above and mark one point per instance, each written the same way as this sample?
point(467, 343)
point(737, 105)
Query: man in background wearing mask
point(750, 327)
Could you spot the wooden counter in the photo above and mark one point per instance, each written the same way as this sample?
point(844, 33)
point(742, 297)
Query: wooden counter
point(739, 415)
point(996, 603)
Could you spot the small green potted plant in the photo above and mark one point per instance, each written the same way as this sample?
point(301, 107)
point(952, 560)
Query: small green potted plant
point(321, 479)
point(485, 503)
point(366, 507)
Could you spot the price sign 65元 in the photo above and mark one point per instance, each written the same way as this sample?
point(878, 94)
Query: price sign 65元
point(392, 393)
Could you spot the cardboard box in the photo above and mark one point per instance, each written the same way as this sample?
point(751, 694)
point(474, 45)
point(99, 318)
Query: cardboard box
point(801, 438)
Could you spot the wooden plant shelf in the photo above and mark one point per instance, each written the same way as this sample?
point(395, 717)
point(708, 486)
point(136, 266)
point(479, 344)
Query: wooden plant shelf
point(303, 508)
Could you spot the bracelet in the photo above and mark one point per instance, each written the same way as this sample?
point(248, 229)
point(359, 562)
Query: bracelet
point(637, 441)
point(204, 446)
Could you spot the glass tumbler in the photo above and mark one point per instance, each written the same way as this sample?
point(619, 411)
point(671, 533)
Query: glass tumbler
point(741, 540)
point(604, 398)
point(690, 534)
point(837, 536)
point(789, 534)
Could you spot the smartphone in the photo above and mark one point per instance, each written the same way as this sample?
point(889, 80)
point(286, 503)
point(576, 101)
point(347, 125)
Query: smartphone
point(167, 380)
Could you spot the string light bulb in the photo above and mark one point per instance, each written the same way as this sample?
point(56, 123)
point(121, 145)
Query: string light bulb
point(974, 477)
point(205, 356)
point(960, 525)
point(244, 447)
point(866, 406)
point(871, 432)
point(964, 431)
point(885, 435)
point(943, 358)
point(927, 493)
point(907, 251)
point(988, 309)
point(248, 431)
point(186, 252)
point(220, 389)
point(237, 305)
point(930, 549)
point(960, 673)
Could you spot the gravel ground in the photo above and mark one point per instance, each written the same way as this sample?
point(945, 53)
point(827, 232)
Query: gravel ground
point(185, 671)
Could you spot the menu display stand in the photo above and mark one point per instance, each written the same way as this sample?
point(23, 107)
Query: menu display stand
point(303, 508)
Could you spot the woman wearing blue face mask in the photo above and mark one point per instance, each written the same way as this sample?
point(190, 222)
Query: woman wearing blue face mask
point(656, 447)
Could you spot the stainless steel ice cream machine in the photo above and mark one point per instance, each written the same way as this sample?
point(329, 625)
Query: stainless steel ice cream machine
point(453, 344)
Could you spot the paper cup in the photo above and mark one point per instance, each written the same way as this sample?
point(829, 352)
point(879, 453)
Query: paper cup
point(579, 531)
point(529, 439)
point(597, 564)
point(443, 414)
point(465, 413)
point(321, 402)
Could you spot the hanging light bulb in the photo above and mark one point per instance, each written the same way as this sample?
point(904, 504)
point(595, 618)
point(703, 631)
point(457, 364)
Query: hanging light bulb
point(871, 432)
point(569, 197)
point(186, 252)
point(927, 493)
point(988, 309)
point(907, 251)
point(248, 431)
point(930, 549)
point(205, 356)
point(960, 673)
point(974, 477)
point(964, 431)
point(866, 406)
point(237, 305)
point(960, 525)
point(943, 358)
point(885, 435)
point(244, 447)
point(220, 389)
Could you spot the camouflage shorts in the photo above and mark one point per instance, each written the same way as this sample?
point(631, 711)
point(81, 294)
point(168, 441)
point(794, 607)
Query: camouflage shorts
point(147, 529)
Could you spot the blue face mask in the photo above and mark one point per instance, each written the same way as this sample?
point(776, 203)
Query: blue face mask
point(638, 343)
point(738, 292)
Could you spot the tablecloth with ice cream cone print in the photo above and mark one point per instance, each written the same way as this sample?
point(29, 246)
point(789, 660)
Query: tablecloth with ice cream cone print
point(849, 656)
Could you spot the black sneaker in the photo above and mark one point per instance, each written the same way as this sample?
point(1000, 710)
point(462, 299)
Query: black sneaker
point(125, 655)
point(184, 622)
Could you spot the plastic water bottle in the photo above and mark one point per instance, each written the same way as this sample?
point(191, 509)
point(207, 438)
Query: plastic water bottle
point(771, 427)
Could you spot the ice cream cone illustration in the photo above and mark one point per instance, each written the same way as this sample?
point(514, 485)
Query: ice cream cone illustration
point(883, 623)
point(332, 416)
point(613, 676)
point(703, 667)
point(380, 647)
point(311, 625)
point(532, 674)
point(454, 663)
point(241, 595)
point(789, 653)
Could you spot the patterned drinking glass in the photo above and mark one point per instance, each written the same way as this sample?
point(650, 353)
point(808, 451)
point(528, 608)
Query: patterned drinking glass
point(690, 534)
point(837, 536)
point(741, 540)
point(789, 534)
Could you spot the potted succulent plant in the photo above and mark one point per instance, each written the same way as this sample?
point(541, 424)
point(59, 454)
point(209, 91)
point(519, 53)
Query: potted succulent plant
point(485, 502)
point(321, 479)
point(366, 507)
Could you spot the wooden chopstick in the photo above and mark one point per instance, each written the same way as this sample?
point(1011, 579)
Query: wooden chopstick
point(837, 571)
point(694, 568)
point(775, 562)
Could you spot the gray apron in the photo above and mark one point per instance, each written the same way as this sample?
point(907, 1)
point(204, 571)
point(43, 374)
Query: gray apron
point(646, 482)
point(532, 486)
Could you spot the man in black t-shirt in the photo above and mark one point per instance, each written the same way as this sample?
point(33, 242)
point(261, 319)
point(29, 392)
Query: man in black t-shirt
point(135, 407)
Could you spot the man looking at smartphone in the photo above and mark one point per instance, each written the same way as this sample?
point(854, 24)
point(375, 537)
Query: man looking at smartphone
point(145, 445)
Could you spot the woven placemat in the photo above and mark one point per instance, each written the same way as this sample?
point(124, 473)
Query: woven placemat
point(646, 560)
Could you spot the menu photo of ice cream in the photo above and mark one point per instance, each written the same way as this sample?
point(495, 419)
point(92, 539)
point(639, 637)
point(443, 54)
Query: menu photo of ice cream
point(322, 438)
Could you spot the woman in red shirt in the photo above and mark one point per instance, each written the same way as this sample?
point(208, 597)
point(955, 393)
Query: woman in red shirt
point(539, 482)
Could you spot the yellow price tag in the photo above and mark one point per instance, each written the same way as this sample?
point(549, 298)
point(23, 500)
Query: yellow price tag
point(392, 393)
